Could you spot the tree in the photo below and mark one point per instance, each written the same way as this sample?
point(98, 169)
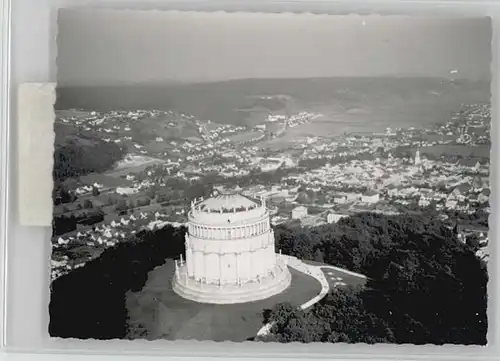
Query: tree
point(62, 195)
point(339, 317)
point(151, 192)
point(121, 205)
point(63, 224)
point(472, 241)
point(318, 255)
point(160, 198)
point(425, 286)
point(290, 324)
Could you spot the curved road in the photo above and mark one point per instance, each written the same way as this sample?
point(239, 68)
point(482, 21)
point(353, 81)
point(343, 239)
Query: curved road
point(335, 274)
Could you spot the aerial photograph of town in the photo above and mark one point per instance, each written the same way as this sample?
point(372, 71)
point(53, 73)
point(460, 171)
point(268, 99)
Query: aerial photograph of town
point(276, 203)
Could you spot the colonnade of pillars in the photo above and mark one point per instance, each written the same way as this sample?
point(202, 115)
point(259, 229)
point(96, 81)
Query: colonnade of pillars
point(230, 268)
point(226, 233)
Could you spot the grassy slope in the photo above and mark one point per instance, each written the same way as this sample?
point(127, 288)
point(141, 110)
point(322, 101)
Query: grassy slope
point(168, 316)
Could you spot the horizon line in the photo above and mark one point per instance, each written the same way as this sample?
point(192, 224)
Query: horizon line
point(168, 82)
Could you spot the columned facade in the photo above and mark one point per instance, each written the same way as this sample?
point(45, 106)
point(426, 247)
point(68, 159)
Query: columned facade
point(230, 253)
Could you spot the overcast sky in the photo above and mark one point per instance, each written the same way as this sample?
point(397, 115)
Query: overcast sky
point(99, 47)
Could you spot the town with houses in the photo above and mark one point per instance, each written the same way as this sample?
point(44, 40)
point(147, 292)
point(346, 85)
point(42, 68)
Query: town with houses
point(172, 158)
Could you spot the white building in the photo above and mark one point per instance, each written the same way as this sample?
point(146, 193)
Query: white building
point(451, 204)
point(126, 190)
point(230, 253)
point(270, 165)
point(299, 212)
point(417, 158)
point(334, 217)
point(424, 201)
point(340, 199)
point(370, 198)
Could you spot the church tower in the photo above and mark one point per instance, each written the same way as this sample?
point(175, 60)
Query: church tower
point(417, 158)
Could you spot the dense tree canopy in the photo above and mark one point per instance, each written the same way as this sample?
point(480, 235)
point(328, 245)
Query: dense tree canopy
point(61, 194)
point(425, 286)
point(76, 156)
point(340, 317)
point(89, 302)
point(67, 223)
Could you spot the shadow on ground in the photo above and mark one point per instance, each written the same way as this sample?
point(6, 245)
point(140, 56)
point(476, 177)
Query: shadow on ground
point(156, 312)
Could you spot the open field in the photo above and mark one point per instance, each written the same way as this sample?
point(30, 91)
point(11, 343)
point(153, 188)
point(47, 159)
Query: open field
point(168, 316)
point(106, 180)
point(245, 137)
point(125, 170)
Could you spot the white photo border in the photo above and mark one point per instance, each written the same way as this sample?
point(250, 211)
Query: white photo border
point(5, 16)
point(28, 32)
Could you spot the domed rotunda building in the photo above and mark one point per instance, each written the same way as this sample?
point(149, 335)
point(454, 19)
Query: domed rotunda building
point(230, 252)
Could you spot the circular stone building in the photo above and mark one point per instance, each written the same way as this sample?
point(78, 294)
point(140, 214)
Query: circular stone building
point(230, 253)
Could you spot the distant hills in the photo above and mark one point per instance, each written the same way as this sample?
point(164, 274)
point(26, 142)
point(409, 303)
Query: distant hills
point(232, 101)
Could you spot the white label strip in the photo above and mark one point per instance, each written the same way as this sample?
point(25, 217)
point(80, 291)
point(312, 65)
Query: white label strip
point(35, 150)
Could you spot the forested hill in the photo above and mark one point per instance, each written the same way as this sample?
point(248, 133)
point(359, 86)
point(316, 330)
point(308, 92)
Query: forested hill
point(77, 154)
point(426, 286)
point(89, 302)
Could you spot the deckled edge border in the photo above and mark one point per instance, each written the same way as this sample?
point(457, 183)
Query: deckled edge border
point(293, 350)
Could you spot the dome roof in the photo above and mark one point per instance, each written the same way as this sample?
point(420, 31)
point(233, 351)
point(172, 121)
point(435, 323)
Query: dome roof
point(227, 208)
point(227, 202)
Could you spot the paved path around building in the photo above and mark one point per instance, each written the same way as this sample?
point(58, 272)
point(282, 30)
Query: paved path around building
point(322, 273)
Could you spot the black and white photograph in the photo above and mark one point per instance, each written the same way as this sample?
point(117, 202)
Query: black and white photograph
point(255, 177)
